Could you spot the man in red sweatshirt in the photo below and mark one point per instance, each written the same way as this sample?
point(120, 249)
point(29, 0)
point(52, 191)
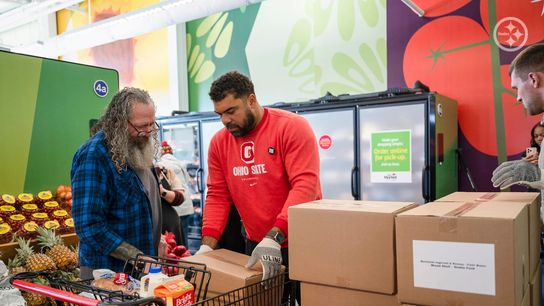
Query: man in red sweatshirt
point(263, 161)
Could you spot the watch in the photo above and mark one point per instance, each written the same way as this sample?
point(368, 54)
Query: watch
point(276, 236)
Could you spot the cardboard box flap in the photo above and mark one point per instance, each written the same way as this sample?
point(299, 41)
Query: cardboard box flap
point(495, 209)
point(228, 270)
point(527, 197)
point(352, 205)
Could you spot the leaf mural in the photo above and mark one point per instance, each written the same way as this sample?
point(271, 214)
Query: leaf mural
point(346, 19)
point(198, 66)
point(369, 11)
point(213, 33)
point(321, 15)
point(354, 67)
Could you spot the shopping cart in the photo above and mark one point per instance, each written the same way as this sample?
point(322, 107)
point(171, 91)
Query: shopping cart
point(195, 273)
point(276, 291)
point(83, 293)
point(77, 293)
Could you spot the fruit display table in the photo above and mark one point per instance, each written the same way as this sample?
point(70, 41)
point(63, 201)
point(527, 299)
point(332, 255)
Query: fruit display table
point(7, 250)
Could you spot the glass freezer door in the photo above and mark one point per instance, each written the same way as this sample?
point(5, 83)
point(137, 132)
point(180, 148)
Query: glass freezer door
point(334, 130)
point(392, 152)
point(209, 128)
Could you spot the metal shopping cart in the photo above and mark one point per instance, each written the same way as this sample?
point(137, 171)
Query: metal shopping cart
point(276, 291)
point(83, 293)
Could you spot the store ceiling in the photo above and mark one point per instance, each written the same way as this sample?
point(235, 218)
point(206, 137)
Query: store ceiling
point(164, 13)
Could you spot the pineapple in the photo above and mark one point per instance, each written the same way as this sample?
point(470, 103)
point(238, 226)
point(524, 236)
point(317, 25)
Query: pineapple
point(54, 247)
point(34, 261)
point(33, 299)
point(16, 265)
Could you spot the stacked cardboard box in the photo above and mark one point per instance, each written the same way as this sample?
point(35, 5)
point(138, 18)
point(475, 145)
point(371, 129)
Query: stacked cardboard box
point(532, 199)
point(344, 251)
point(464, 253)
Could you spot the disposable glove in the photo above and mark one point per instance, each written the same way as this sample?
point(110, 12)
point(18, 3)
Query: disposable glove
point(518, 172)
point(268, 252)
point(204, 248)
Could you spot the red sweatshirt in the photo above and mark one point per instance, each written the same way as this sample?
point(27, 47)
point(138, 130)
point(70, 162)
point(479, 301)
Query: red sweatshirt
point(263, 173)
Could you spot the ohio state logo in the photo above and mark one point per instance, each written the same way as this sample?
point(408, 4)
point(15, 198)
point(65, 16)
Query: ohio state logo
point(247, 153)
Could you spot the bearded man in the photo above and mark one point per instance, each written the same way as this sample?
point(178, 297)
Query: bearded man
point(116, 199)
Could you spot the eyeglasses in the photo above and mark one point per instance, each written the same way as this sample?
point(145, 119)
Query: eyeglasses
point(151, 129)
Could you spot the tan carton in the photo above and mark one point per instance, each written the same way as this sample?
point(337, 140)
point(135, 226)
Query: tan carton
point(536, 287)
point(349, 244)
point(321, 295)
point(457, 253)
point(530, 198)
point(228, 272)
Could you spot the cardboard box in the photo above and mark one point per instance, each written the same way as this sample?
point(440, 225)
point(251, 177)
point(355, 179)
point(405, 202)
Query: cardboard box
point(321, 295)
point(456, 253)
point(228, 273)
point(349, 244)
point(536, 287)
point(530, 198)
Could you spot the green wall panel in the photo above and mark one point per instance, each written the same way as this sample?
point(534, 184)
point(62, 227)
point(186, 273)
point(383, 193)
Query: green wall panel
point(66, 103)
point(46, 106)
point(19, 81)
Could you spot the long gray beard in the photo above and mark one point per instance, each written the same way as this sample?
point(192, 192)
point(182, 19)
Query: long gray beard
point(140, 158)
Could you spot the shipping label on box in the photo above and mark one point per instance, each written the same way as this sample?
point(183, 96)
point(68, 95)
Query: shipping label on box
point(532, 199)
point(486, 243)
point(454, 266)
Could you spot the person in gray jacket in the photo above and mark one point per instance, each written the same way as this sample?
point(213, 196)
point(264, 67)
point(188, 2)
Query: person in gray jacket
point(527, 74)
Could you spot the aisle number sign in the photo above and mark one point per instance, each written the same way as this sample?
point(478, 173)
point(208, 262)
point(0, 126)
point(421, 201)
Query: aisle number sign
point(391, 153)
point(100, 88)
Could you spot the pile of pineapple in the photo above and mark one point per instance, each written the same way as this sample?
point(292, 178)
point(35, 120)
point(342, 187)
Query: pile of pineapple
point(52, 256)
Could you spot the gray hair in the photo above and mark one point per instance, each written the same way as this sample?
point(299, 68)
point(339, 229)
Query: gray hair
point(114, 124)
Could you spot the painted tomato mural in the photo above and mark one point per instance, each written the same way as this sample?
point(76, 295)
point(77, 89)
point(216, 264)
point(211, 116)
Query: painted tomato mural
point(461, 67)
point(438, 57)
point(433, 8)
point(519, 22)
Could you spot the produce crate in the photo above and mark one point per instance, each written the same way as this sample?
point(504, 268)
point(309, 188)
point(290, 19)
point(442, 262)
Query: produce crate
point(7, 250)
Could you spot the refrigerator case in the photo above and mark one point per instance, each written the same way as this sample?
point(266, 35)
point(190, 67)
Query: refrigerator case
point(385, 147)
point(189, 136)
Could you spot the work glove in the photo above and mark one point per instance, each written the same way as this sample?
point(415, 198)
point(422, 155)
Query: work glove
point(517, 172)
point(268, 252)
point(204, 248)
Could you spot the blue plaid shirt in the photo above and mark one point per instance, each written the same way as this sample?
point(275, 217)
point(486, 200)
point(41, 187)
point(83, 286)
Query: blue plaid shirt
point(108, 207)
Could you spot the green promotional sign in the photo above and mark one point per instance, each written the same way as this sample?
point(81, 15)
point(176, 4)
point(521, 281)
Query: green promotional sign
point(391, 154)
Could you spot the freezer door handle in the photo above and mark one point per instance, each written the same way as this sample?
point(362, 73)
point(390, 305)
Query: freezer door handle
point(425, 184)
point(354, 174)
point(199, 180)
